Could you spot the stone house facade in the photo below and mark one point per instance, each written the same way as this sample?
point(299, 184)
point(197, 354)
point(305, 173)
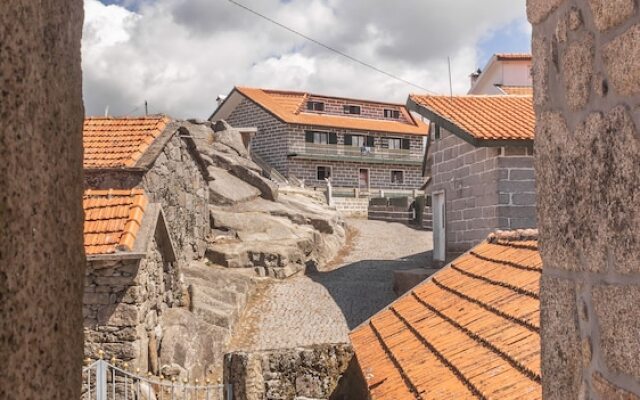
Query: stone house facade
point(481, 171)
point(357, 143)
point(160, 157)
point(586, 72)
point(131, 276)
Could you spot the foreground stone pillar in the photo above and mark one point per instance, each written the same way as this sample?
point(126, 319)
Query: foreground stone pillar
point(586, 72)
point(41, 252)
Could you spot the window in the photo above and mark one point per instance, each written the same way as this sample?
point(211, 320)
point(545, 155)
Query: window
point(358, 141)
point(351, 109)
point(399, 144)
point(397, 176)
point(435, 131)
point(318, 137)
point(315, 106)
point(323, 173)
point(389, 113)
point(395, 144)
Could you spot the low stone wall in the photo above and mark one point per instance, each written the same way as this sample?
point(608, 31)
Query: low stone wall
point(355, 207)
point(123, 300)
point(308, 372)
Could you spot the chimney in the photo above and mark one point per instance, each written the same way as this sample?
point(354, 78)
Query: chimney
point(474, 77)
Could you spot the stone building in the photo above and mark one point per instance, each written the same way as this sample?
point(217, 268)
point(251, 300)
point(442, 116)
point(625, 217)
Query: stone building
point(357, 143)
point(470, 331)
point(586, 71)
point(131, 276)
point(480, 161)
point(157, 155)
point(504, 74)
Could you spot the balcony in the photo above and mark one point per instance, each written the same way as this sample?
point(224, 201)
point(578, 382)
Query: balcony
point(312, 151)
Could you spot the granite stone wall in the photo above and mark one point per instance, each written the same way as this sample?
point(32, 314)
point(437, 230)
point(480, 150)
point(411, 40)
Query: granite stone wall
point(300, 373)
point(123, 301)
point(41, 251)
point(485, 188)
point(586, 71)
point(177, 183)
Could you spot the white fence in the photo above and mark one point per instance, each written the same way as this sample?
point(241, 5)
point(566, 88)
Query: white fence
point(104, 381)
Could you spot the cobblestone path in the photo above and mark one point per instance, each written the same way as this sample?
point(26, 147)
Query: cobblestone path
point(322, 307)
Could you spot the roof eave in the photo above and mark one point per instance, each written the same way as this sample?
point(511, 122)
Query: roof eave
point(462, 133)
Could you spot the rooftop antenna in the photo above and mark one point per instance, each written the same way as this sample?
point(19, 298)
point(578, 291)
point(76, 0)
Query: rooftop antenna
point(106, 111)
point(146, 108)
point(450, 84)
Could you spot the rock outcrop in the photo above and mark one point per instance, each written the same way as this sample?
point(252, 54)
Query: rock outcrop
point(258, 230)
point(273, 231)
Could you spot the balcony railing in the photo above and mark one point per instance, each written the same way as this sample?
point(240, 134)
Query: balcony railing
point(363, 153)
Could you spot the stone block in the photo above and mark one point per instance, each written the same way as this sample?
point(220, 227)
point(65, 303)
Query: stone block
point(541, 50)
point(617, 310)
point(119, 315)
point(95, 298)
point(621, 60)
point(561, 347)
point(523, 199)
point(577, 68)
point(611, 13)
point(607, 390)
point(539, 10)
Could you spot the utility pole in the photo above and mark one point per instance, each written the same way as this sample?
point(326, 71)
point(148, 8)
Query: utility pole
point(146, 108)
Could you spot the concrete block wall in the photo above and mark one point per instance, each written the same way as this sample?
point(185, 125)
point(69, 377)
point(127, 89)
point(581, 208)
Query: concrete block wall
point(352, 206)
point(486, 188)
point(586, 70)
point(275, 140)
point(271, 141)
point(346, 174)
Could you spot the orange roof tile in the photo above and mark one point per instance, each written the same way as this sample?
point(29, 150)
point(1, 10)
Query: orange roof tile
point(112, 219)
point(514, 56)
point(119, 142)
point(289, 107)
point(516, 90)
point(471, 331)
point(482, 117)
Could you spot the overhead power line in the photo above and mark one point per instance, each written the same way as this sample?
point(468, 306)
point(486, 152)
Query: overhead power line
point(319, 43)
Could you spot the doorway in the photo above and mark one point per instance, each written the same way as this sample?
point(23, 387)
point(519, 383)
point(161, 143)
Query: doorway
point(439, 229)
point(363, 181)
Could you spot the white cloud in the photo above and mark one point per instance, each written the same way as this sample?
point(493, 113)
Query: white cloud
point(180, 54)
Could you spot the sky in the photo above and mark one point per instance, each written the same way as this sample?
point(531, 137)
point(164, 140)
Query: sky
point(179, 55)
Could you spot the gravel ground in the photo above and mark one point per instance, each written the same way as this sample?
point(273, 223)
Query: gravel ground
point(323, 306)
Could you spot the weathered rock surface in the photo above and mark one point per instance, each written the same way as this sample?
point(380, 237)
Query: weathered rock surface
point(225, 188)
point(193, 340)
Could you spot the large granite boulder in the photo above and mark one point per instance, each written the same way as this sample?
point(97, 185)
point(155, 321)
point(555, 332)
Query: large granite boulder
point(225, 188)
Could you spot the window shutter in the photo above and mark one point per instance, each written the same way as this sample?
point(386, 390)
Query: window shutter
point(370, 141)
point(348, 140)
point(333, 138)
point(308, 137)
point(406, 144)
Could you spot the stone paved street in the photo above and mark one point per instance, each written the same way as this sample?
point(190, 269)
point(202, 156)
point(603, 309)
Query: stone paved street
point(323, 307)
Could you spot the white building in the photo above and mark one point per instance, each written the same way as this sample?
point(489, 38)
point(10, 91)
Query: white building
point(505, 74)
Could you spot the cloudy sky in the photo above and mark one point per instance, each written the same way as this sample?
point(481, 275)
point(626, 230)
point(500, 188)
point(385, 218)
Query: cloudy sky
point(179, 55)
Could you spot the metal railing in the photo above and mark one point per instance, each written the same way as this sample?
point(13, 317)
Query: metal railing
point(364, 153)
point(102, 380)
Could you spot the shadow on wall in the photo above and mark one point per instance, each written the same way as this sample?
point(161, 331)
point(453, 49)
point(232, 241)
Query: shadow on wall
point(363, 288)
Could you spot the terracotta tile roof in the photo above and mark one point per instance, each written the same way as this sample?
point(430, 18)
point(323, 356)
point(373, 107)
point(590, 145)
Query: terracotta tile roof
point(119, 142)
point(516, 90)
point(483, 117)
point(514, 56)
point(112, 219)
point(289, 107)
point(471, 331)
